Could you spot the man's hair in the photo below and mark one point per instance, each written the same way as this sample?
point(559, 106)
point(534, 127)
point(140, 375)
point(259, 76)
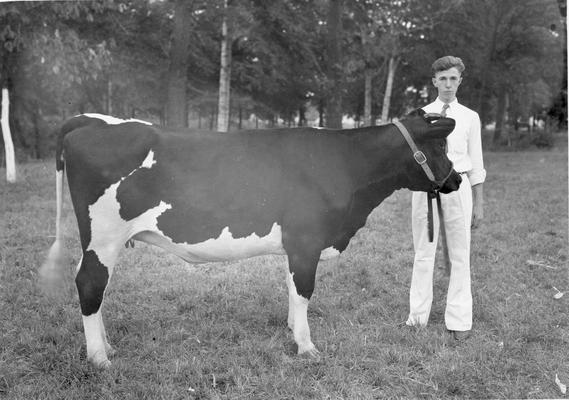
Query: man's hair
point(447, 62)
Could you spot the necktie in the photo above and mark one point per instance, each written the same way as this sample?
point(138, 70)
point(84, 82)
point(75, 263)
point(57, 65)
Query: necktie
point(444, 114)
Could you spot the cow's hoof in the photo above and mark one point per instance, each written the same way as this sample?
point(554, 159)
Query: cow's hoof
point(310, 352)
point(110, 351)
point(100, 362)
point(104, 364)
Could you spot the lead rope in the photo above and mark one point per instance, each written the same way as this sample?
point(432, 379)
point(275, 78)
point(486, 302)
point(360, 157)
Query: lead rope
point(430, 196)
point(443, 237)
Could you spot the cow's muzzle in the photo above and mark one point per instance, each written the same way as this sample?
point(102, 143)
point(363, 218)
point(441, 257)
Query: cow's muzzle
point(450, 183)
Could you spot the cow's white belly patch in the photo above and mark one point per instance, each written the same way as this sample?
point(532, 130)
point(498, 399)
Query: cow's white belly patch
point(113, 120)
point(223, 248)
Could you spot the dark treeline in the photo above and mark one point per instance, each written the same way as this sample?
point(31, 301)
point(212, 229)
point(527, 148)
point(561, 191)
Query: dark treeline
point(291, 62)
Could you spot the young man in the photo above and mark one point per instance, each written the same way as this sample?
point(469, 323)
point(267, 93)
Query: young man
point(462, 210)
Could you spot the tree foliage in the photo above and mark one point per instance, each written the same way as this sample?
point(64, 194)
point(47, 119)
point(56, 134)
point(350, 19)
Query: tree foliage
point(114, 56)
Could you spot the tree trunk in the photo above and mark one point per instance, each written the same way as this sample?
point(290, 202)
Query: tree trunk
point(560, 104)
point(301, 116)
point(224, 76)
point(500, 115)
point(37, 131)
point(212, 119)
point(393, 62)
point(109, 95)
point(368, 73)
point(334, 38)
point(176, 103)
point(486, 68)
point(7, 135)
point(321, 113)
point(240, 117)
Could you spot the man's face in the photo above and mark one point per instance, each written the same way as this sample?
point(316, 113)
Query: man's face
point(447, 83)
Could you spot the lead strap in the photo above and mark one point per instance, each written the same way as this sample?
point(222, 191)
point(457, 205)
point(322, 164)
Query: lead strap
point(430, 225)
point(446, 256)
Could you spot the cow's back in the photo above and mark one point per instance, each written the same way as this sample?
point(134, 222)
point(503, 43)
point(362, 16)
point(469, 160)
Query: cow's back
point(109, 151)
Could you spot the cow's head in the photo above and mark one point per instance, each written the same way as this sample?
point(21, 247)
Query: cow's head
point(429, 132)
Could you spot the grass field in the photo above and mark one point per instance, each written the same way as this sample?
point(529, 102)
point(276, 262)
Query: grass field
point(218, 331)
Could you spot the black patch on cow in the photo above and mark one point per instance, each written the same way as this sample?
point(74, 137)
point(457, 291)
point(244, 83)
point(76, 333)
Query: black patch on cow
point(200, 209)
point(91, 281)
point(208, 188)
point(134, 193)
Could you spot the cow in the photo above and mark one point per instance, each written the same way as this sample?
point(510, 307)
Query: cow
point(208, 196)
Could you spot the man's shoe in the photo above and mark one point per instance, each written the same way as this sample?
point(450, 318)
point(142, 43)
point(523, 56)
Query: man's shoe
point(460, 336)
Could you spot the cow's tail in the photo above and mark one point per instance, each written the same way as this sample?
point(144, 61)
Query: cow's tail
point(51, 271)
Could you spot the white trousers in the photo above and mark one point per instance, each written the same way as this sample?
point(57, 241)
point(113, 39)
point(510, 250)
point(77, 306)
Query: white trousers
point(457, 215)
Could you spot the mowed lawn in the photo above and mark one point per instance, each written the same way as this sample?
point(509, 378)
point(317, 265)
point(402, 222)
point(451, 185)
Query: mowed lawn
point(218, 331)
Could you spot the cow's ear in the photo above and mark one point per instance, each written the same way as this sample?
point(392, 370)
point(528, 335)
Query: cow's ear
point(440, 128)
point(432, 117)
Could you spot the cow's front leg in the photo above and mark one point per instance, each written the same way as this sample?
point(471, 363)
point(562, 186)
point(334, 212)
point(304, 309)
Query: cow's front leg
point(290, 287)
point(300, 283)
point(298, 319)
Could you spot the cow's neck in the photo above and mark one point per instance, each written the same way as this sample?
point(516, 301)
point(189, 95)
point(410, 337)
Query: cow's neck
point(384, 161)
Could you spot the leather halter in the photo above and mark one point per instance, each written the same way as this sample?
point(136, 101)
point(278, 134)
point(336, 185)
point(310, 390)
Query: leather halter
point(421, 159)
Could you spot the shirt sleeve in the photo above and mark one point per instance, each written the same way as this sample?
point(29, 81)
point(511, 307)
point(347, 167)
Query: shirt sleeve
point(477, 174)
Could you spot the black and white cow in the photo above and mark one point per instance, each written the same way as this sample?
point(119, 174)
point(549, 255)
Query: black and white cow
point(209, 196)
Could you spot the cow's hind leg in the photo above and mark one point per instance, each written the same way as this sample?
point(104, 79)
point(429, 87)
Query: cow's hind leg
point(92, 280)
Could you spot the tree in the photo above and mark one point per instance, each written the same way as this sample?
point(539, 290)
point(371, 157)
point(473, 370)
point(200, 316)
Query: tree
point(514, 57)
point(334, 62)
point(388, 33)
point(276, 63)
point(161, 59)
point(558, 110)
point(394, 59)
point(405, 23)
point(236, 25)
point(7, 135)
point(25, 26)
point(176, 103)
point(61, 66)
point(10, 46)
point(224, 75)
point(365, 52)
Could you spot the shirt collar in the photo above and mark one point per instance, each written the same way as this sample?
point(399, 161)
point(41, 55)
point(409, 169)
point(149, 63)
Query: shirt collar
point(439, 103)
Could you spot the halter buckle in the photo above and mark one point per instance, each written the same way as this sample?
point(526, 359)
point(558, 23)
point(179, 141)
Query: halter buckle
point(420, 157)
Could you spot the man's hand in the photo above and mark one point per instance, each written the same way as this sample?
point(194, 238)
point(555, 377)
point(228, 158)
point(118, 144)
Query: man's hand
point(477, 206)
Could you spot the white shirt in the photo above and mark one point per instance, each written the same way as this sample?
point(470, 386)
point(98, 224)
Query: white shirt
point(464, 142)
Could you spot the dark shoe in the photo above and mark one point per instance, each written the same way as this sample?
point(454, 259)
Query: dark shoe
point(460, 336)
